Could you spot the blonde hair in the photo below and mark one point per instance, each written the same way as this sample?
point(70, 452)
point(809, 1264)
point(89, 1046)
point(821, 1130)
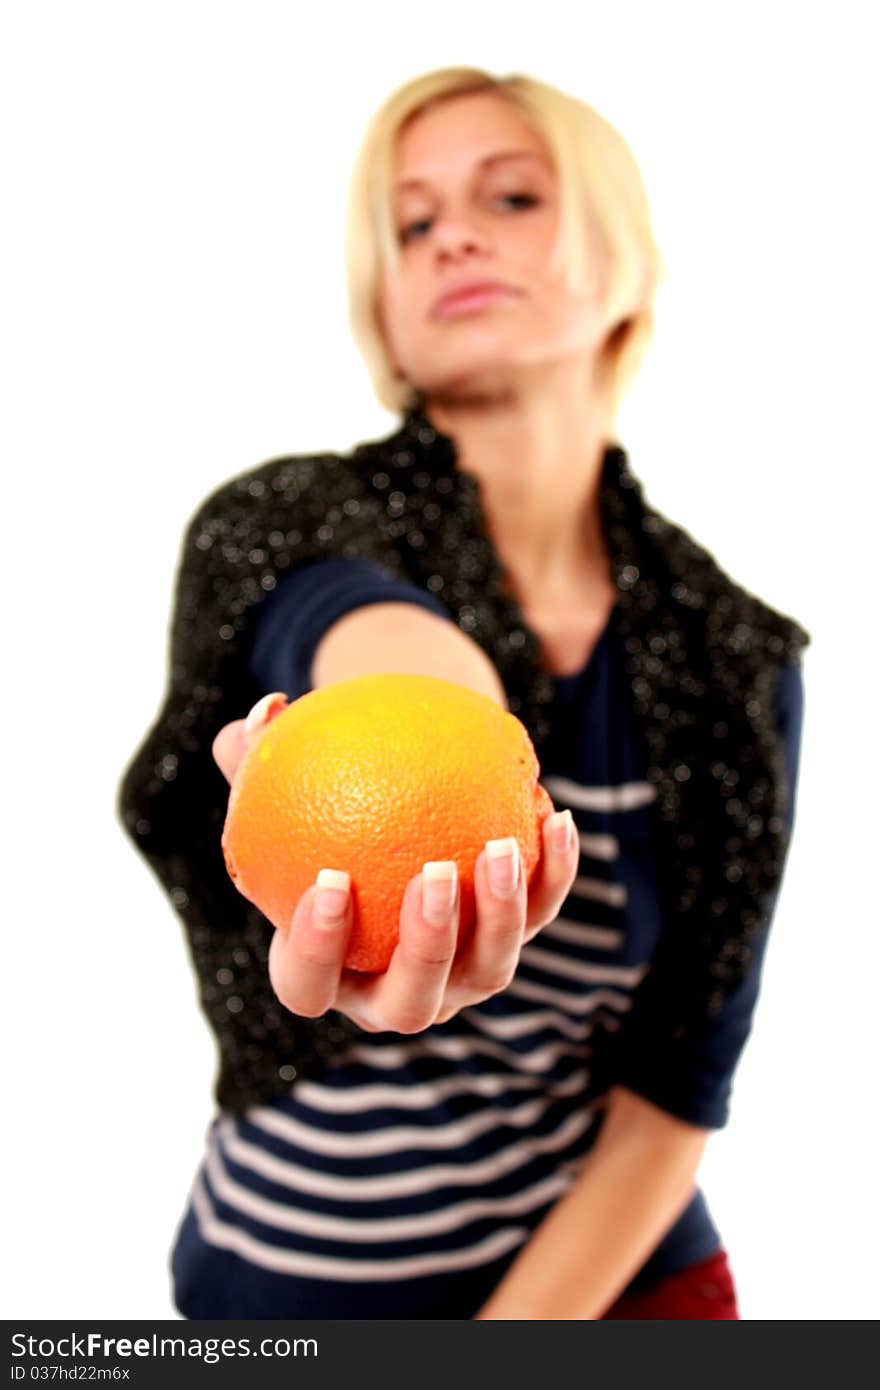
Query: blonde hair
point(602, 202)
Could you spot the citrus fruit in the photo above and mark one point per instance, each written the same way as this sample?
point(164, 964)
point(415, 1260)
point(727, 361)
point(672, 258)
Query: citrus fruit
point(377, 775)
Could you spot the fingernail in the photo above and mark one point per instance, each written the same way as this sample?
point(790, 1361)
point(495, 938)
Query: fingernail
point(562, 831)
point(264, 709)
point(438, 889)
point(503, 866)
point(331, 898)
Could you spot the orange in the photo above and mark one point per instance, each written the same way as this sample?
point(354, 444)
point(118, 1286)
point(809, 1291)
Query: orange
point(376, 776)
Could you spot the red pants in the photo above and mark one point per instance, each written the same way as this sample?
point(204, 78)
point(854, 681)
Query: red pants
point(703, 1291)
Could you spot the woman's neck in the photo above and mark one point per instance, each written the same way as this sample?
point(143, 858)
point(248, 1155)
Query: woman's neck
point(537, 456)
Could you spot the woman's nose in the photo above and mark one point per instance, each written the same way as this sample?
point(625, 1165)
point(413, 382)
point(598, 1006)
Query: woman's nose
point(454, 238)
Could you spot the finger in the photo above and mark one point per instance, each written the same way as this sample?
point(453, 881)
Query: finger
point(489, 961)
point(231, 743)
point(305, 961)
point(407, 997)
point(229, 747)
point(264, 711)
point(551, 883)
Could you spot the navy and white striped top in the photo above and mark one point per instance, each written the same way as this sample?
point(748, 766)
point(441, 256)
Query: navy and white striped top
point(404, 1179)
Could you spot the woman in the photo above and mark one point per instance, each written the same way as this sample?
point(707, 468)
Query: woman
point(514, 1132)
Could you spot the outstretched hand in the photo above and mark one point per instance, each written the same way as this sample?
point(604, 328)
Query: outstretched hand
point(427, 980)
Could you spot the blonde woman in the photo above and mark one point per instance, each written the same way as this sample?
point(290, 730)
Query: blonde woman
point(516, 1131)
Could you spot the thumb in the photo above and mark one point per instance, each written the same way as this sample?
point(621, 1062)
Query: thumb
point(233, 740)
point(229, 747)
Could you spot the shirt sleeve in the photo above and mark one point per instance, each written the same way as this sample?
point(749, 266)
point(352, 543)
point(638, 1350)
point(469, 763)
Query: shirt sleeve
point(693, 1079)
point(293, 618)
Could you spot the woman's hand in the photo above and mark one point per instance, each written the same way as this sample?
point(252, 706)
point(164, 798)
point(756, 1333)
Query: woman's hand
point(426, 982)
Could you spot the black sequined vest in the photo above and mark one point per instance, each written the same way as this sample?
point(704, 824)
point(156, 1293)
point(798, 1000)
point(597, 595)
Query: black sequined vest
point(701, 658)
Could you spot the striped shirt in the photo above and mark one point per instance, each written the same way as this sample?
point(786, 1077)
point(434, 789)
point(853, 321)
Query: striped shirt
point(405, 1178)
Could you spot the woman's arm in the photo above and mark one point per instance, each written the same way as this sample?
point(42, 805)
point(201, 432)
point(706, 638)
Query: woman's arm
point(428, 979)
point(383, 637)
point(378, 638)
point(634, 1183)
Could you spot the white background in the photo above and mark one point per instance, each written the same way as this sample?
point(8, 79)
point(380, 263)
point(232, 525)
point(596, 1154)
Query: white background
point(174, 178)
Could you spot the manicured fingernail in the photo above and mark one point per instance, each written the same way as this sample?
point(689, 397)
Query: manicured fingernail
point(264, 709)
point(562, 831)
point(331, 898)
point(438, 889)
point(503, 866)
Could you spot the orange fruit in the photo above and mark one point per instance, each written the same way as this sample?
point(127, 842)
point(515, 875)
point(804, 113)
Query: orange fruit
point(376, 776)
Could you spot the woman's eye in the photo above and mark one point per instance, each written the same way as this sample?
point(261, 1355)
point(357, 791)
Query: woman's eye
point(411, 229)
point(521, 202)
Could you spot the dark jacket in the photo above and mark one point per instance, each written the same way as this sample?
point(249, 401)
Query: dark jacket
point(702, 658)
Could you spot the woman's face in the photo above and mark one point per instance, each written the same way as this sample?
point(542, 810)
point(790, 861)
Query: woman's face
point(476, 200)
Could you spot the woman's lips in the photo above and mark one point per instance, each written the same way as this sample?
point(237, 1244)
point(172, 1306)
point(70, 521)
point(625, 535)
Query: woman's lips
point(469, 301)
